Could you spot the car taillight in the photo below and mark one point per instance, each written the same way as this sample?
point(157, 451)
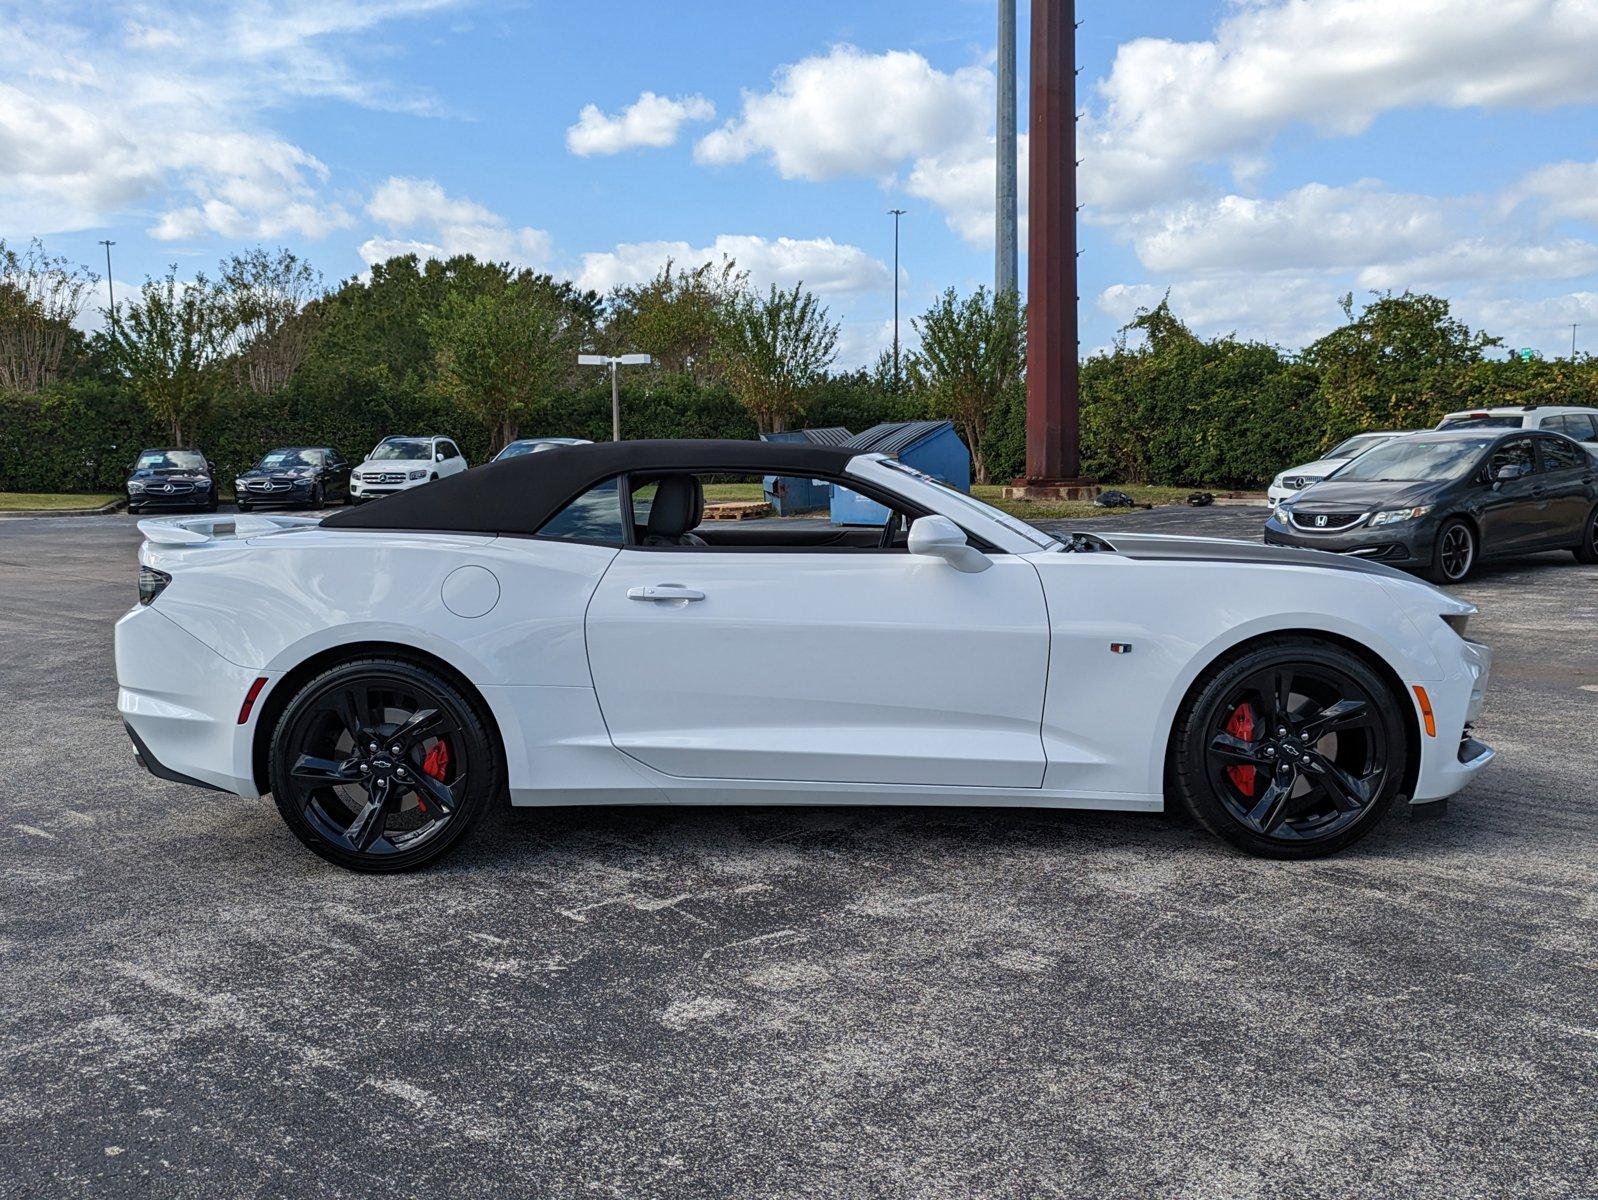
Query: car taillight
point(151, 583)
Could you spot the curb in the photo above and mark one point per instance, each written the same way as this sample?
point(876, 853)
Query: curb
point(17, 513)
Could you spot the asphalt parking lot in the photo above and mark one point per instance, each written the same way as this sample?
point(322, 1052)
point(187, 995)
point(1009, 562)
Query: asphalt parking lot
point(811, 1002)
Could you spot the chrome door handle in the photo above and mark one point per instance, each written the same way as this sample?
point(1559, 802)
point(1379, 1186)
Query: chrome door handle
point(664, 592)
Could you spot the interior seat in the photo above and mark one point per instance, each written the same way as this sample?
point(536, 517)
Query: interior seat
point(678, 508)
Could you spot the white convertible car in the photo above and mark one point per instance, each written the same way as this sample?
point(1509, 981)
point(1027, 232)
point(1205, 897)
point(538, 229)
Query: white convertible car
point(566, 629)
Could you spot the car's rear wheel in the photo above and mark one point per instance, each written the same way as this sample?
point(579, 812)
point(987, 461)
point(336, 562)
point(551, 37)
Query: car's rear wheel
point(1587, 551)
point(1454, 553)
point(382, 765)
point(1293, 749)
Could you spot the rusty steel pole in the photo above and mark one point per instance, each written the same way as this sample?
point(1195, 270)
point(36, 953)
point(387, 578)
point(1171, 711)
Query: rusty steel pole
point(1052, 455)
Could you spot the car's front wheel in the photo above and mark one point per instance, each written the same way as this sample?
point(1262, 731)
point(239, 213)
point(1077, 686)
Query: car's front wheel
point(382, 765)
point(1292, 749)
point(1454, 553)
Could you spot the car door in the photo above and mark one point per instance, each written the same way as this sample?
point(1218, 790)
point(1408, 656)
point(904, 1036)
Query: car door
point(453, 463)
point(338, 475)
point(822, 665)
point(1513, 507)
point(1567, 480)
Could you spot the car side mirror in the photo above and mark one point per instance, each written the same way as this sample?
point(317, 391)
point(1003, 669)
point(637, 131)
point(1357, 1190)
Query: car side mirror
point(210, 466)
point(939, 537)
point(438, 456)
point(1509, 472)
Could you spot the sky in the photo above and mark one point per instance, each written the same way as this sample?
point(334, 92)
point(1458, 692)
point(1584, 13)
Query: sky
point(1254, 159)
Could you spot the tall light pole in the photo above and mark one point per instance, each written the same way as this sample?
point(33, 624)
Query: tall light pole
point(614, 362)
point(1006, 270)
point(896, 213)
point(1573, 327)
point(110, 287)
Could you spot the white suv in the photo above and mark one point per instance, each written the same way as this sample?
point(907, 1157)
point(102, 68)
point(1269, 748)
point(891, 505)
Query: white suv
point(1571, 420)
point(397, 464)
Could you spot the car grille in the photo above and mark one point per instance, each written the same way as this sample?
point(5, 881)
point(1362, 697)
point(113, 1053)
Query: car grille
point(383, 477)
point(171, 487)
point(1296, 483)
point(1325, 522)
point(262, 486)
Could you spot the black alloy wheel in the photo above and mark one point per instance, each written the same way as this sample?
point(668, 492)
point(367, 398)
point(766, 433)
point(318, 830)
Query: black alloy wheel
point(1587, 551)
point(316, 496)
point(1292, 750)
point(380, 765)
point(1454, 556)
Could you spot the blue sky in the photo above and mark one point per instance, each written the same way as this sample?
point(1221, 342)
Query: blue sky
point(1255, 158)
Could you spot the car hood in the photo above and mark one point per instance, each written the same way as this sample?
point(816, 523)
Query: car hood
point(1320, 468)
point(396, 464)
point(1159, 547)
point(276, 473)
point(1338, 496)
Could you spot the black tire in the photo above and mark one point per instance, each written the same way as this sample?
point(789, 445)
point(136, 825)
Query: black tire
point(1455, 553)
point(316, 496)
point(133, 510)
point(382, 812)
point(1587, 551)
point(1307, 792)
point(243, 507)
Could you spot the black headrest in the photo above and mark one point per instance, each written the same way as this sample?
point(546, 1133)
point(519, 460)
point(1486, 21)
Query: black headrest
point(679, 505)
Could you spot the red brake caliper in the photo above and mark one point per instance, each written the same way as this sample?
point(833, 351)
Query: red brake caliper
point(435, 764)
point(1241, 725)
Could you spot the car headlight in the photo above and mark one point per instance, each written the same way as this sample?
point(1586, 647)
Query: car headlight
point(302, 481)
point(418, 474)
point(239, 485)
point(135, 486)
point(1394, 515)
point(202, 483)
point(1277, 482)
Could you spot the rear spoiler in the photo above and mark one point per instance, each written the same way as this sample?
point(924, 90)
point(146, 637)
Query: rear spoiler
point(191, 531)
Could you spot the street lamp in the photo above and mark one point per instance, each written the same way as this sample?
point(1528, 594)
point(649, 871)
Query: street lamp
point(614, 362)
point(110, 288)
point(896, 213)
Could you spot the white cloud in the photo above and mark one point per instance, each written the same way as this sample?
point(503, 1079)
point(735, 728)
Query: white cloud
point(821, 264)
point(1565, 189)
point(651, 120)
point(425, 220)
point(167, 111)
point(961, 183)
point(1333, 64)
point(1286, 310)
point(852, 113)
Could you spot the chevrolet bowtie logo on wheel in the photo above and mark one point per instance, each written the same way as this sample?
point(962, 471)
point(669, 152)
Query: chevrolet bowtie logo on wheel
point(1320, 522)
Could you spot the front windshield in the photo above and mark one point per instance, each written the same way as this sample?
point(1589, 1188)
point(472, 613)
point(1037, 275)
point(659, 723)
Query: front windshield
point(403, 449)
point(171, 460)
point(1412, 461)
point(1031, 532)
point(1357, 444)
point(286, 460)
point(517, 449)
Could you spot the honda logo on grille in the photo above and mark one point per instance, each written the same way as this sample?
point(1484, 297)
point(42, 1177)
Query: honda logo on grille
point(1320, 522)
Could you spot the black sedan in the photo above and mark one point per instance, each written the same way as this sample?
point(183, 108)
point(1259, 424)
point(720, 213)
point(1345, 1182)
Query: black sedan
point(171, 478)
point(304, 476)
point(1439, 503)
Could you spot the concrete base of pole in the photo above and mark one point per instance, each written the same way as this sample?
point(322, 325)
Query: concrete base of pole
point(1051, 489)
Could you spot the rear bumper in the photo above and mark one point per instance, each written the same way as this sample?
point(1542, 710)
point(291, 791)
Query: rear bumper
point(180, 701)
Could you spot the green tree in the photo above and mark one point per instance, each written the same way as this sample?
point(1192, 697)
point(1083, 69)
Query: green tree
point(1399, 364)
point(502, 352)
point(265, 301)
point(40, 298)
point(772, 349)
point(971, 352)
point(167, 344)
point(677, 317)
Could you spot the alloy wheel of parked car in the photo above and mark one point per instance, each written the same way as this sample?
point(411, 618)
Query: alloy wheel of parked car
point(1587, 551)
point(381, 765)
point(1455, 554)
point(1292, 750)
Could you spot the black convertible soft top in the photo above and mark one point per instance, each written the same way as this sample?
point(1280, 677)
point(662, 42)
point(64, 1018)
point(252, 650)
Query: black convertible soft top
point(518, 495)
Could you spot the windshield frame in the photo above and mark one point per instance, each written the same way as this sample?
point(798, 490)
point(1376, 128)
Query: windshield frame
point(297, 453)
point(168, 460)
point(378, 453)
point(1472, 449)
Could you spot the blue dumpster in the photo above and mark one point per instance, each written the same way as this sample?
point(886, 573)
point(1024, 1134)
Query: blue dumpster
point(788, 495)
point(932, 447)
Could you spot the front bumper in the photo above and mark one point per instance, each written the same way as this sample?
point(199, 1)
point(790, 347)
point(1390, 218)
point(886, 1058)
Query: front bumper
point(1406, 544)
point(180, 700)
point(362, 490)
point(198, 499)
point(1454, 757)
